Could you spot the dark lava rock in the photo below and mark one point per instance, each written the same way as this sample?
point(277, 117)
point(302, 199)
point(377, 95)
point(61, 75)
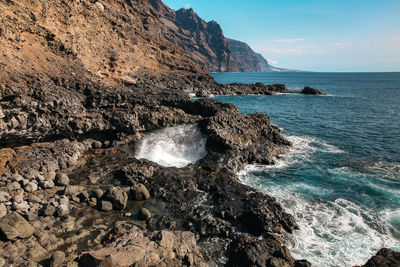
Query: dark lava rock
point(384, 258)
point(312, 91)
point(245, 251)
point(144, 214)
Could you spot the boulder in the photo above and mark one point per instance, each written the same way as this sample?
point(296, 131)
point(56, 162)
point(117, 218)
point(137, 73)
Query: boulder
point(106, 205)
point(117, 197)
point(139, 192)
point(62, 179)
point(14, 226)
point(30, 187)
point(47, 184)
point(57, 259)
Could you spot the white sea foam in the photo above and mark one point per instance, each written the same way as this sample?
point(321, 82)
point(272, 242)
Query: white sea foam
point(173, 146)
point(338, 233)
point(332, 233)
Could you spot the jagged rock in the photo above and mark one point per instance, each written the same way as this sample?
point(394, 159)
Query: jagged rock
point(57, 259)
point(144, 214)
point(117, 197)
point(312, 91)
point(22, 206)
point(62, 179)
point(14, 226)
point(139, 192)
point(384, 258)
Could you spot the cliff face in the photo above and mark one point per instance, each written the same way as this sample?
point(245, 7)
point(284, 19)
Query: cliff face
point(246, 59)
point(205, 43)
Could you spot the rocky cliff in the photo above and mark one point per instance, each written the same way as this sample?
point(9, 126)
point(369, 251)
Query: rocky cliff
point(205, 43)
point(246, 59)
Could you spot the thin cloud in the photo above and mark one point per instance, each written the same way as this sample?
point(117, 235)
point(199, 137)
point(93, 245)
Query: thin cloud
point(292, 51)
point(341, 45)
point(294, 40)
point(187, 5)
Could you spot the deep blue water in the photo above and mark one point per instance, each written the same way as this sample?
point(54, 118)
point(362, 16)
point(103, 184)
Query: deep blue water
point(342, 179)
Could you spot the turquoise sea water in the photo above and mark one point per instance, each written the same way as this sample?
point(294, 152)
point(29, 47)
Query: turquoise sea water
point(341, 181)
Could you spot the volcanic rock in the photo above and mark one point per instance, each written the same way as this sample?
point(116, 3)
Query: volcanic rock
point(312, 91)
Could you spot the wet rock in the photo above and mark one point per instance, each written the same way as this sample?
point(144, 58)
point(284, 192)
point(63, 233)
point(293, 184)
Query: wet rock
point(14, 226)
point(139, 192)
point(144, 214)
point(312, 91)
point(57, 259)
point(62, 179)
point(117, 197)
point(384, 258)
point(106, 205)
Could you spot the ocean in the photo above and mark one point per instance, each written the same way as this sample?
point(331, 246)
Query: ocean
point(341, 181)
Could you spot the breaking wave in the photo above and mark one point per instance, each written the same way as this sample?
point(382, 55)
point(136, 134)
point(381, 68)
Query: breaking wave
point(176, 146)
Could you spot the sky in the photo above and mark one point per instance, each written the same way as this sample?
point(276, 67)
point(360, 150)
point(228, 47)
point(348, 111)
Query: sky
point(312, 35)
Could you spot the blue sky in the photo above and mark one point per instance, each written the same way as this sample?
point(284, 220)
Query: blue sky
point(314, 35)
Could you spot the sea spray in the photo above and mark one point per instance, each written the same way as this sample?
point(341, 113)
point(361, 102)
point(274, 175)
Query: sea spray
point(175, 146)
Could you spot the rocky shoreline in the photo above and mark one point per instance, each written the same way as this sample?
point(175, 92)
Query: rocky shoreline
point(81, 83)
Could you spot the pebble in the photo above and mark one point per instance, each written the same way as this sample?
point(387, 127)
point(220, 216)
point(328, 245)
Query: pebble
point(49, 210)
